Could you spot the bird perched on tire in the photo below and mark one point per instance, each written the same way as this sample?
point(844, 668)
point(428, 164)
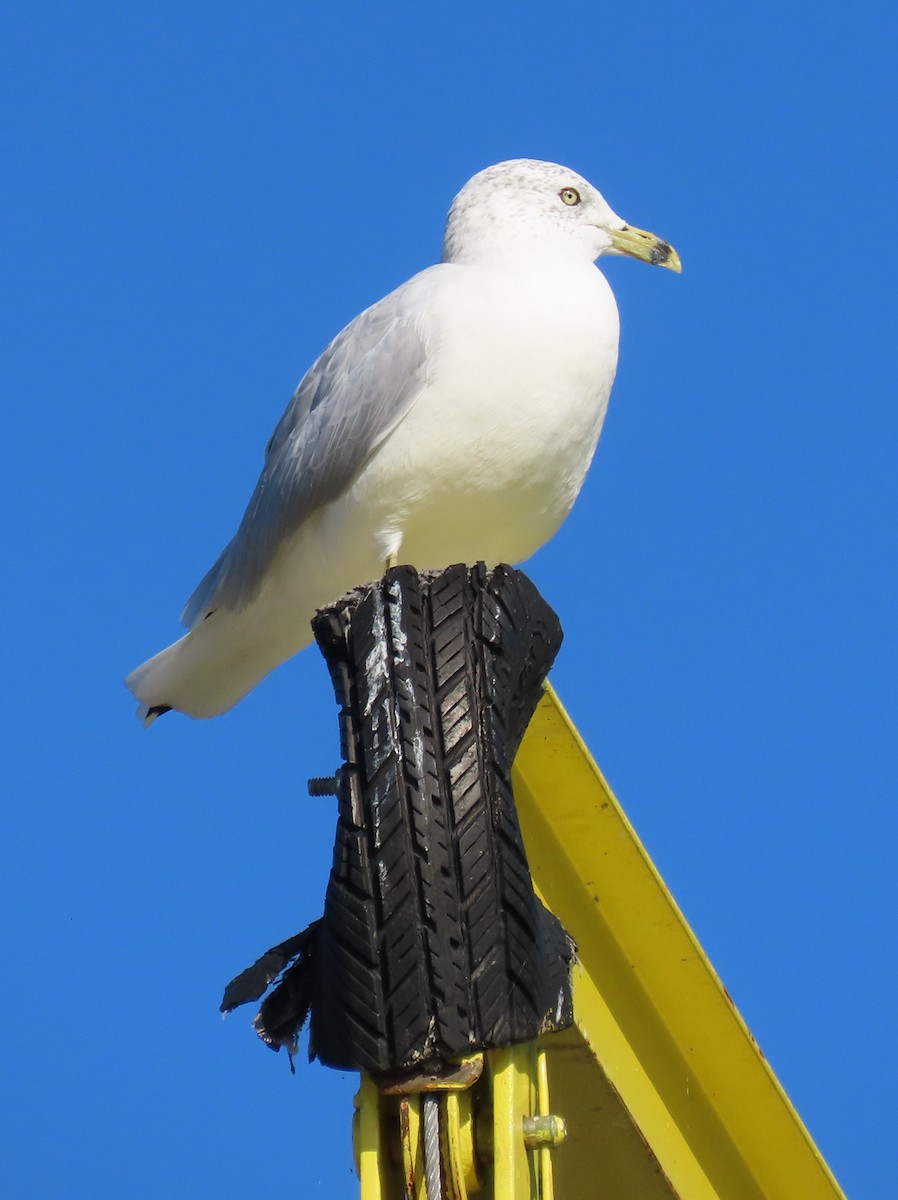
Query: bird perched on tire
point(452, 421)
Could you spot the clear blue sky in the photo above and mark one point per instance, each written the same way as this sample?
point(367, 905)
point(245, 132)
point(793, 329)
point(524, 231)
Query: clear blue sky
point(196, 198)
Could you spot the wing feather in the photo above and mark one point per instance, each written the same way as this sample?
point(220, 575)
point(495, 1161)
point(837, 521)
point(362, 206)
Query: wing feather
point(350, 400)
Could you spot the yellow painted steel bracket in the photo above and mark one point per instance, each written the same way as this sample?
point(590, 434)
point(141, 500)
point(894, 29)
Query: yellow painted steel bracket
point(496, 1131)
point(664, 1089)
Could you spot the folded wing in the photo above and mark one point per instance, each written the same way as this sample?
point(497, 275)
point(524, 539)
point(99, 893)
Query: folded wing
point(343, 409)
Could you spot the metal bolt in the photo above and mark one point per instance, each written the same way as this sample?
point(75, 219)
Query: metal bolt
point(544, 1131)
point(325, 785)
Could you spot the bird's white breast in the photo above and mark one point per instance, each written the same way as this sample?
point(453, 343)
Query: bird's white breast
point(493, 453)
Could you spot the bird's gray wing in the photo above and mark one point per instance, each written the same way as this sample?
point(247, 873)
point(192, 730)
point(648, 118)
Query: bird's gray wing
point(349, 402)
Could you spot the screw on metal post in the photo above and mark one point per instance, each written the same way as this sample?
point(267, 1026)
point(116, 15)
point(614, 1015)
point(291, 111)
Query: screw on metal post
point(325, 785)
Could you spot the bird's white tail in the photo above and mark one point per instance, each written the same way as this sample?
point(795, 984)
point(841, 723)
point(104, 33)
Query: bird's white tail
point(213, 666)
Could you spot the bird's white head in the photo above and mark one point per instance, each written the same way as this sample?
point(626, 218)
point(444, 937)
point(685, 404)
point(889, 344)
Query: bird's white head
point(525, 210)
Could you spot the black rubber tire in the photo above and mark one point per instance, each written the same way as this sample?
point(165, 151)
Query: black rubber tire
point(433, 943)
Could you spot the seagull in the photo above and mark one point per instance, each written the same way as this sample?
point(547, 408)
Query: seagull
point(452, 421)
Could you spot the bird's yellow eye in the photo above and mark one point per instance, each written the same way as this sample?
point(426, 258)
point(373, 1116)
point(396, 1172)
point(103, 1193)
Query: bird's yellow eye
point(570, 195)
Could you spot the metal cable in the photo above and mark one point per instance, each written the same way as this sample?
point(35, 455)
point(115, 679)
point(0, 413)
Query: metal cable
point(432, 1173)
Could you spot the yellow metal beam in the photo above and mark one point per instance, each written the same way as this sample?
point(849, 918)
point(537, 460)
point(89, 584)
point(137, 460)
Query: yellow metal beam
point(664, 1092)
point(663, 1088)
point(511, 1097)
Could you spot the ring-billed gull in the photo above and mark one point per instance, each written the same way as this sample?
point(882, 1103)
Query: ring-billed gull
point(453, 421)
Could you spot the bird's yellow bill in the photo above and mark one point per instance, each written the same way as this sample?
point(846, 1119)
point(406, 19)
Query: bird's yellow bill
point(639, 243)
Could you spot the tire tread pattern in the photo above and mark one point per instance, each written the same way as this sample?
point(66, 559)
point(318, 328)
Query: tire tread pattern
point(433, 943)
